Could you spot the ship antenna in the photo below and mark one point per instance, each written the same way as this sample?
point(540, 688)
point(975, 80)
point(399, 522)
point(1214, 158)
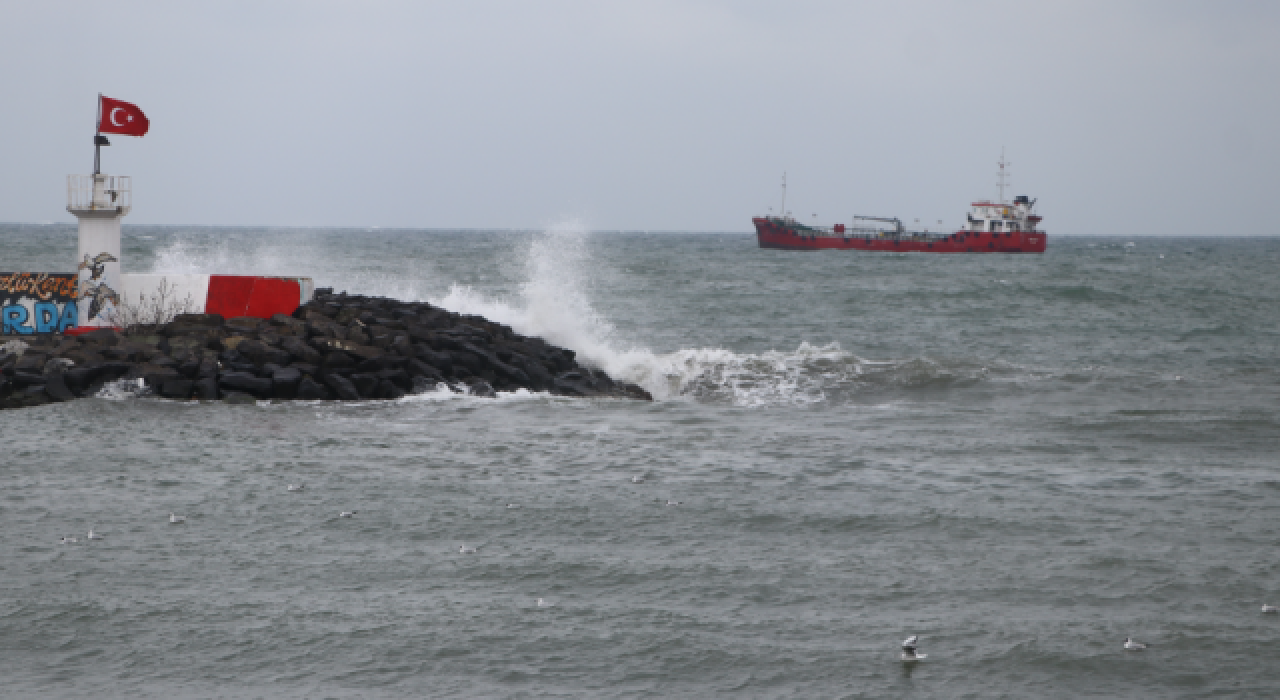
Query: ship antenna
point(1000, 176)
point(783, 211)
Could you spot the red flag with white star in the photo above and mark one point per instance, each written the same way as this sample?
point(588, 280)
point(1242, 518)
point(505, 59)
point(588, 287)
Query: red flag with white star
point(119, 117)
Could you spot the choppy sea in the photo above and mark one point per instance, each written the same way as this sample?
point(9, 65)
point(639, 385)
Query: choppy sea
point(1021, 459)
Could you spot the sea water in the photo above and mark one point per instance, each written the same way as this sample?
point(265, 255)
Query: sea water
point(1022, 459)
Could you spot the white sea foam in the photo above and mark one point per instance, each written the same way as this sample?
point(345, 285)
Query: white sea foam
point(554, 302)
point(122, 389)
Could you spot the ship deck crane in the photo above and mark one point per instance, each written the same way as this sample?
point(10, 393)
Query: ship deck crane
point(897, 223)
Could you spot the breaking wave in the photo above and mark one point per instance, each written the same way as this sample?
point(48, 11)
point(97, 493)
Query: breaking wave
point(554, 302)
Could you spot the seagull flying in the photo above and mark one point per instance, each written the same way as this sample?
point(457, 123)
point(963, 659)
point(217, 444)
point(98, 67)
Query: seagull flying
point(1130, 645)
point(1269, 608)
point(97, 265)
point(93, 535)
point(176, 519)
point(99, 295)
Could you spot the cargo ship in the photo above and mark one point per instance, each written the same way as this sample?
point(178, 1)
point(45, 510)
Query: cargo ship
point(992, 227)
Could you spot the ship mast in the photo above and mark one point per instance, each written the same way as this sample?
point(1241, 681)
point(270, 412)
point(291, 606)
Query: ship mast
point(1000, 176)
point(783, 211)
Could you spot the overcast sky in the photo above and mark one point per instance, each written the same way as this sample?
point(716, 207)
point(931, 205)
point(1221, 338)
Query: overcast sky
point(1129, 118)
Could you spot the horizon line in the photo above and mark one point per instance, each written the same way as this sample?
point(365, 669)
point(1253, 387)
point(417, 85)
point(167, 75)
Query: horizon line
point(708, 232)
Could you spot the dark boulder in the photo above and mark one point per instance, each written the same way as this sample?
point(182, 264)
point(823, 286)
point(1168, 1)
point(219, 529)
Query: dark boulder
point(401, 346)
point(398, 377)
point(103, 336)
point(442, 361)
point(418, 368)
point(85, 357)
point(309, 390)
point(306, 368)
point(113, 370)
point(190, 368)
point(341, 386)
point(208, 368)
point(79, 378)
point(206, 320)
point(572, 384)
point(366, 385)
point(239, 398)
point(374, 364)
point(336, 359)
point(276, 356)
point(245, 382)
point(177, 389)
point(206, 388)
point(299, 351)
point(34, 396)
point(188, 345)
point(33, 362)
point(284, 382)
point(388, 390)
point(252, 350)
point(25, 378)
point(57, 389)
point(539, 377)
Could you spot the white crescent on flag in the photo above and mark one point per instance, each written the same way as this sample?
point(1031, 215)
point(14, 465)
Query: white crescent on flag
point(120, 117)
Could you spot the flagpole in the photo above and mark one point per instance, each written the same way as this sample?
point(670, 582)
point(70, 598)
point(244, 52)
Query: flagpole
point(97, 142)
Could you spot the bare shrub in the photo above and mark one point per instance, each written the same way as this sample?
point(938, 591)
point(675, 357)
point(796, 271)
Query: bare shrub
point(149, 312)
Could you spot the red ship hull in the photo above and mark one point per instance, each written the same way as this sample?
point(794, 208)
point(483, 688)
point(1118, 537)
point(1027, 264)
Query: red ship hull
point(772, 234)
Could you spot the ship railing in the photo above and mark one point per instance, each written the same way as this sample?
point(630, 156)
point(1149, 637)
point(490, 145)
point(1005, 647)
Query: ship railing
point(875, 233)
point(860, 232)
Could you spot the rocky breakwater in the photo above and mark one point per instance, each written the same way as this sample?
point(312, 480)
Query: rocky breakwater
point(336, 347)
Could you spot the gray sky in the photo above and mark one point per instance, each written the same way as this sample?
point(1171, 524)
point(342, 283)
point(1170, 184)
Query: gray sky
point(1127, 118)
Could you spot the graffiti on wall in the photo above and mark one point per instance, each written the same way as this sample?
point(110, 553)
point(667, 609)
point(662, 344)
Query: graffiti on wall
point(98, 293)
point(37, 302)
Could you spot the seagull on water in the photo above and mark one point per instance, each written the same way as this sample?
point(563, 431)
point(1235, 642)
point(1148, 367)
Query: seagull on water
point(909, 652)
point(674, 503)
point(296, 487)
point(68, 540)
point(1269, 608)
point(513, 505)
point(543, 603)
point(93, 535)
point(1130, 645)
point(637, 479)
point(464, 549)
point(177, 519)
point(348, 513)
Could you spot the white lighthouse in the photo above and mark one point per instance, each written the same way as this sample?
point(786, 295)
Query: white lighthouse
point(99, 202)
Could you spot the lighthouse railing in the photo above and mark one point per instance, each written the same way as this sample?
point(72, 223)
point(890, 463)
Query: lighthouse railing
point(100, 193)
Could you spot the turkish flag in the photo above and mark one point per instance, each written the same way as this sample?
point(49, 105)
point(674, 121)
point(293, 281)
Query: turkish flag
point(122, 118)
